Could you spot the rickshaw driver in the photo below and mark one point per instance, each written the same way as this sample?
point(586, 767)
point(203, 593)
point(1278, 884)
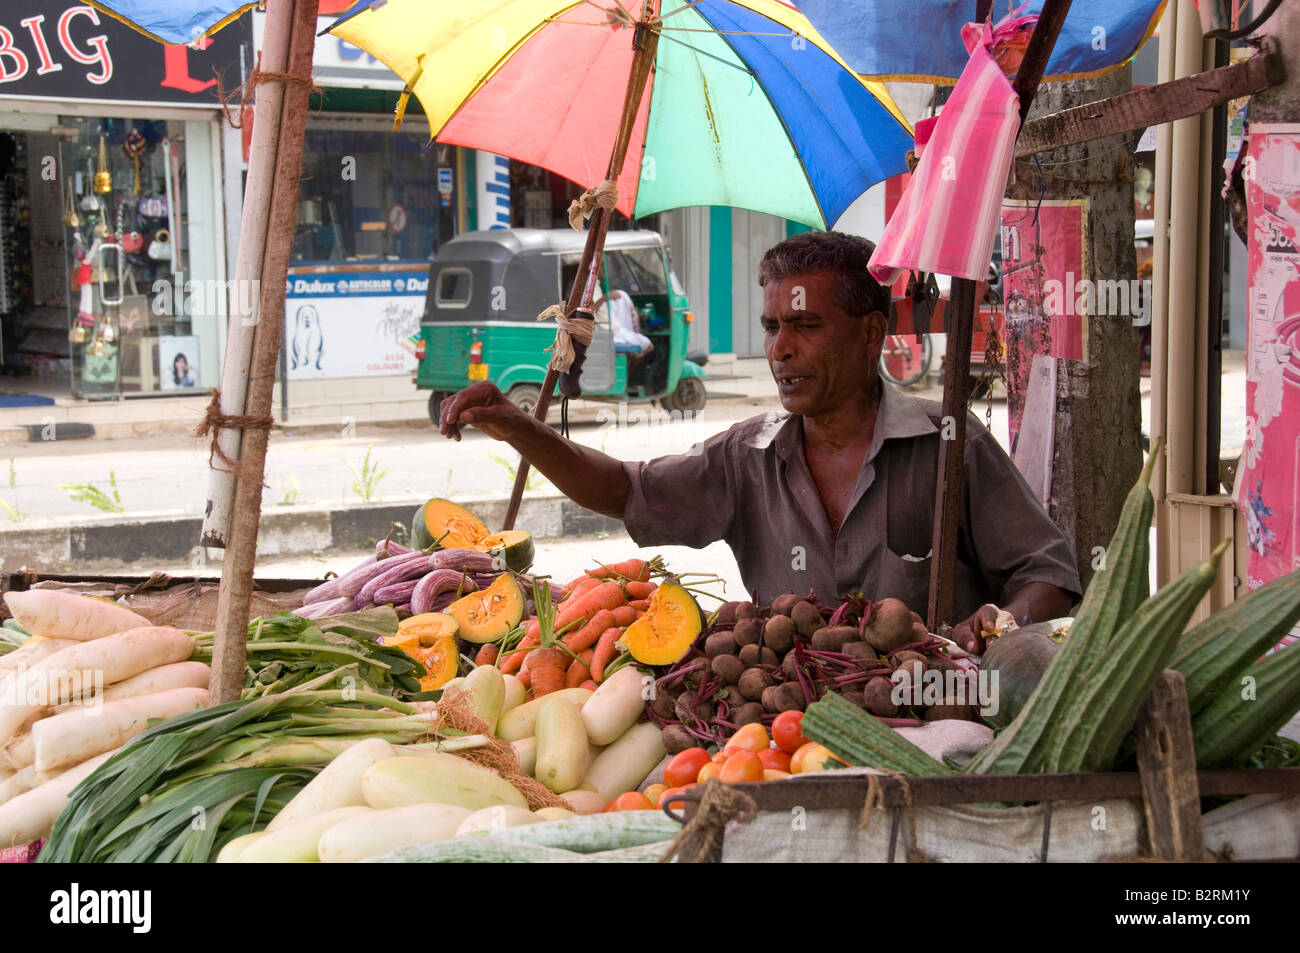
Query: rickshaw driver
point(835, 495)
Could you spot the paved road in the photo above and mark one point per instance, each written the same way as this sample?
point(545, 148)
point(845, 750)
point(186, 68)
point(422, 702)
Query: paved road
point(168, 474)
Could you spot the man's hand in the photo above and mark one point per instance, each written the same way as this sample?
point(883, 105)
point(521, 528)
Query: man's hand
point(481, 405)
point(970, 634)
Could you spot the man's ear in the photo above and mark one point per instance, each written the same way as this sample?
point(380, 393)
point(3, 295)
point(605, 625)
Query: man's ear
point(874, 326)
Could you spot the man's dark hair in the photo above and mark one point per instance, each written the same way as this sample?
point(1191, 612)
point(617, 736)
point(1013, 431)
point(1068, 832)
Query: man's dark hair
point(846, 255)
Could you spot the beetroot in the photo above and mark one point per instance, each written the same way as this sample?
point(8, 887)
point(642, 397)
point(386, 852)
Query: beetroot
point(890, 625)
point(748, 713)
point(782, 604)
point(753, 682)
point(677, 739)
point(719, 643)
point(728, 668)
point(827, 639)
point(806, 619)
point(877, 693)
point(746, 610)
point(778, 634)
point(747, 631)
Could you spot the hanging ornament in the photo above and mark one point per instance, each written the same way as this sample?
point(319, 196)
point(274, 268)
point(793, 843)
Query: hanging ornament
point(70, 216)
point(103, 178)
point(135, 146)
point(101, 227)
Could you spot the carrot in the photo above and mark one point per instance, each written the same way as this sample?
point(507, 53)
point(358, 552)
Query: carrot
point(547, 668)
point(510, 664)
point(579, 669)
point(605, 652)
point(580, 585)
point(624, 616)
point(589, 685)
point(639, 590)
point(525, 679)
point(629, 569)
point(640, 605)
point(585, 637)
point(487, 655)
point(607, 595)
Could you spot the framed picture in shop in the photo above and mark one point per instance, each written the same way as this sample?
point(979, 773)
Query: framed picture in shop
point(178, 359)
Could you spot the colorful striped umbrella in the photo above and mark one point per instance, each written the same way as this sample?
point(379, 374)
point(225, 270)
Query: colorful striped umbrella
point(747, 106)
point(184, 21)
point(921, 40)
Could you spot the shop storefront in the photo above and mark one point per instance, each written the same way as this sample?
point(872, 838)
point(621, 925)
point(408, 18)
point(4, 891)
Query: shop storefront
point(112, 219)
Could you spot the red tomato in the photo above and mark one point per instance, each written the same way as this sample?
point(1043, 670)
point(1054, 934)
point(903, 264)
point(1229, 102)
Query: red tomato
point(631, 801)
point(653, 792)
point(673, 796)
point(685, 767)
point(815, 759)
point(751, 737)
point(710, 770)
point(796, 759)
point(787, 731)
point(722, 756)
point(742, 766)
point(775, 759)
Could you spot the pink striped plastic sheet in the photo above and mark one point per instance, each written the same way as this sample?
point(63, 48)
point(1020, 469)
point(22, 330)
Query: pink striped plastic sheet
point(947, 218)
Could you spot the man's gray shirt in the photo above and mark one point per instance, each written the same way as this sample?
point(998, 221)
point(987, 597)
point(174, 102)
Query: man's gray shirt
point(751, 487)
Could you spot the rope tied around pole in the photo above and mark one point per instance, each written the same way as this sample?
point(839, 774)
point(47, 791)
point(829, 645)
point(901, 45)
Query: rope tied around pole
point(876, 799)
point(582, 208)
point(701, 837)
point(215, 421)
point(245, 89)
point(580, 327)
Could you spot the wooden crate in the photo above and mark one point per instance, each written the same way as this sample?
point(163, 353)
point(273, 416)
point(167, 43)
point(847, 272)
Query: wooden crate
point(1166, 783)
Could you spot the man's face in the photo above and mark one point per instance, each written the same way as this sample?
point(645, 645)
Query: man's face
point(821, 357)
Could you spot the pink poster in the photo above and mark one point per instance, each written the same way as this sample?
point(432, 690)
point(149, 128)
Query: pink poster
point(1043, 290)
point(1267, 480)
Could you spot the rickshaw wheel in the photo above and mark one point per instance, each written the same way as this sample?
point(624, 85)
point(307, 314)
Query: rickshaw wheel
point(689, 395)
point(435, 404)
point(525, 397)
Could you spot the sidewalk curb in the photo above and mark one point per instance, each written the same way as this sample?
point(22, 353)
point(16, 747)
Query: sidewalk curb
point(139, 543)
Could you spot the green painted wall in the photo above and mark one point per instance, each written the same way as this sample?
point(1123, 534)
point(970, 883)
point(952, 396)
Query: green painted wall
point(720, 304)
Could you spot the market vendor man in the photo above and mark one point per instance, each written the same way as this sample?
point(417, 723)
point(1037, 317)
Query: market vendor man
point(837, 493)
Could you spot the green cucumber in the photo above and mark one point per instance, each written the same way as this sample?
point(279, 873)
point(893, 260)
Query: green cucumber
point(1232, 728)
point(1210, 654)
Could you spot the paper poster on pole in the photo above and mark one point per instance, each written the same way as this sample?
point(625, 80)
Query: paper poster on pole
point(352, 324)
point(1044, 266)
point(1268, 479)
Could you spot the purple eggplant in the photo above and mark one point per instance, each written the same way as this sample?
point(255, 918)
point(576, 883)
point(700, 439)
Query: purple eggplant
point(440, 582)
point(318, 610)
point(396, 593)
point(386, 548)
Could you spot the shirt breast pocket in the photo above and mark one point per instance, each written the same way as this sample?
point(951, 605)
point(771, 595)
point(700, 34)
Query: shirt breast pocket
point(905, 579)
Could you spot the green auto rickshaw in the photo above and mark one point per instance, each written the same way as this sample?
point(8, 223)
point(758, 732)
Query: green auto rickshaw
point(480, 319)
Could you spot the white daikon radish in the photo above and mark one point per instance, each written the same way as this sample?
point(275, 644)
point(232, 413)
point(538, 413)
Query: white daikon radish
point(24, 779)
point(107, 660)
point(584, 801)
point(74, 736)
point(234, 848)
point(369, 835)
point(31, 815)
point(497, 817)
point(516, 694)
point(553, 813)
point(21, 750)
point(338, 784)
point(29, 653)
point(296, 843)
point(176, 675)
point(70, 615)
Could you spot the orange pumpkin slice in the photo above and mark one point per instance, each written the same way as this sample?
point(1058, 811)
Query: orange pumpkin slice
point(665, 633)
point(430, 639)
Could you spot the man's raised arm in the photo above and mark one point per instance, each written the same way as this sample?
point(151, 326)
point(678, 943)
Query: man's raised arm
point(586, 476)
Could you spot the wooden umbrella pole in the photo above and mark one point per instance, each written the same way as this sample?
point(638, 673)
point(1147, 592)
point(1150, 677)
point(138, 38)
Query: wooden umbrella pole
point(952, 452)
point(230, 644)
point(248, 271)
point(645, 43)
